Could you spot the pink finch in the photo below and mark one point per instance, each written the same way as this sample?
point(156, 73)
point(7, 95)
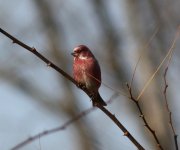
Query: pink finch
point(86, 72)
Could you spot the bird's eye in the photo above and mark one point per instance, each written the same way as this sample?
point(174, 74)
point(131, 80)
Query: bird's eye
point(78, 51)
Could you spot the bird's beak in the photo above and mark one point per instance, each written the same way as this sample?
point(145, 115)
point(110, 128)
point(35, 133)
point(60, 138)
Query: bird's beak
point(74, 54)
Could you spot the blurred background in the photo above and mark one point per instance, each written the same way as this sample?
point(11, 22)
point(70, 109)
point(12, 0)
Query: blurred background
point(34, 97)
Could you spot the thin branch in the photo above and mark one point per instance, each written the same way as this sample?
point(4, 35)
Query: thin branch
point(126, 132)
point(145, 47)
point(49, 63)
point(144, 118)
point(35, 52)
point(161, 64)
point(166, 103)
point(60, 128)
point(47, 132)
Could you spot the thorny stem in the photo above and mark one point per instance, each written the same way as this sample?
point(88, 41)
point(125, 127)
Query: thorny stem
point(126, 132)
point(168, 109)
point(50, 64)
point(144, 118)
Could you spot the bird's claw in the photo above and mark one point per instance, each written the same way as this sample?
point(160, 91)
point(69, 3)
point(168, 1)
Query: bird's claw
point(92, 96)
point(81, 86)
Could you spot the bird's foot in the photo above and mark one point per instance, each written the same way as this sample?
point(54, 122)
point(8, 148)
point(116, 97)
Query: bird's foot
point(81, 86)
point(92, 96)
point(96, 104)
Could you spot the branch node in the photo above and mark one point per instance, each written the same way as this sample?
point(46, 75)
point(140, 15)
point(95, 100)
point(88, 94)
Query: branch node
point(142, 116)
point(158, 145)
point(126, 133)
point(33, 49)
point(48, 64)
point(127, 85)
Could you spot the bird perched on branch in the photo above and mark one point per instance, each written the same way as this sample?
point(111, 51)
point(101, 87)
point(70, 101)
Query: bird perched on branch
point(87, 73)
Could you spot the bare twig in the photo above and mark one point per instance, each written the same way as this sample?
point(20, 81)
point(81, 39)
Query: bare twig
point(47, 132)
point(49, 63)
point(166, 103)
point(35, 52)
point(126, 132)
point(62, 127)
point(144, 118)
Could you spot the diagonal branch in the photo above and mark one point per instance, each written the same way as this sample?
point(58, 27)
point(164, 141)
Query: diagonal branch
point(144, 118)
point(126, 132)
point(50, 64)
point(47, 132)
point(60, 128)
point(35, 52)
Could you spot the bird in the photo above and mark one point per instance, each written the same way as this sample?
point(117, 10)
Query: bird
point(87, 73)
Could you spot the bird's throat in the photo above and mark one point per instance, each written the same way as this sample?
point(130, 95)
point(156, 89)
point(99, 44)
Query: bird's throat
point(83, 57)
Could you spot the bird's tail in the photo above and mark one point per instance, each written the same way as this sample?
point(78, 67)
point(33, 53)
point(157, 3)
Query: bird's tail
point(99, 101)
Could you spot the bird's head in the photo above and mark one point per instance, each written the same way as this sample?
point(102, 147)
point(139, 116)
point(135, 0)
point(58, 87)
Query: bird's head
point(82, 52)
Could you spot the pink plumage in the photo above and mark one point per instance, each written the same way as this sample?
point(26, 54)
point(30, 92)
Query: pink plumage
point(86, 71)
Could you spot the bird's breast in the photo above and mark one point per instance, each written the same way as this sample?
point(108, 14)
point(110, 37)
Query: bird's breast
point(87, 72)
